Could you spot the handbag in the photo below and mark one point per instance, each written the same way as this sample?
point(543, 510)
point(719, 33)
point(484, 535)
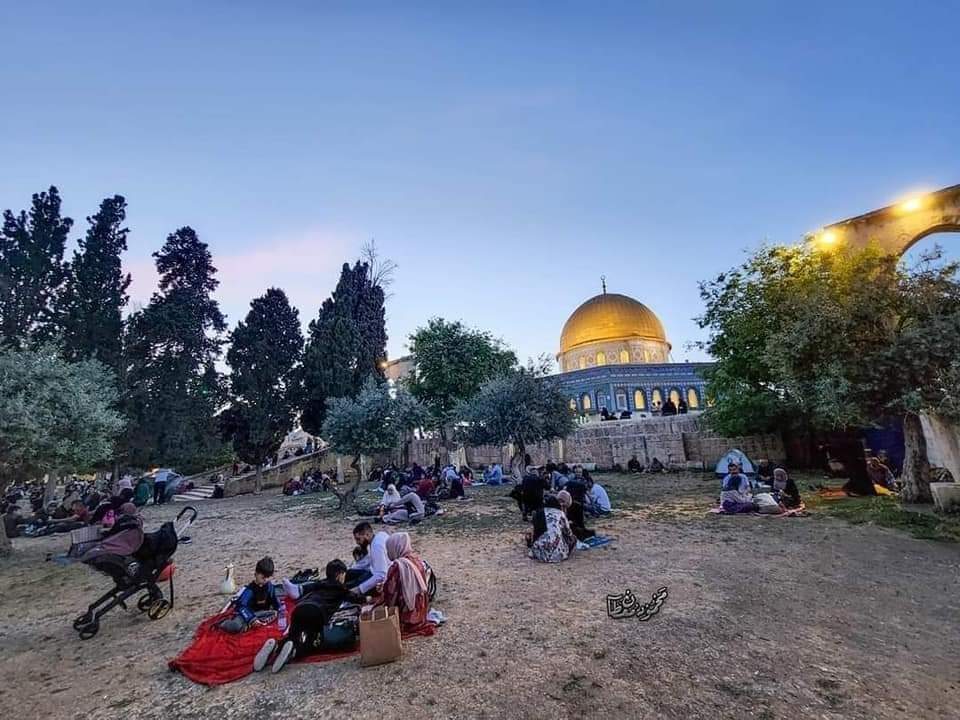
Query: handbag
point(380, 640)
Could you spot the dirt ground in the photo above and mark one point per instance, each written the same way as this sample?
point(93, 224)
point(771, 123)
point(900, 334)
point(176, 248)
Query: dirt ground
point(766, 618)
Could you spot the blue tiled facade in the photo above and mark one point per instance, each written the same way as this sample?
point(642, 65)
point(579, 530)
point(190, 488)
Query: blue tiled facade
point(633, 387)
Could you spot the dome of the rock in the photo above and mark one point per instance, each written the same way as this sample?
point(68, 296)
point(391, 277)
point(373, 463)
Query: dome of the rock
point(610, 316)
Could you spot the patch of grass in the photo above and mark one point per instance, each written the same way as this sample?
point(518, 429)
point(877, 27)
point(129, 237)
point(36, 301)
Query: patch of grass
point(886, 511)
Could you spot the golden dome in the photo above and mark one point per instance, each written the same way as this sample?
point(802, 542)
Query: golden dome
point(610, 316)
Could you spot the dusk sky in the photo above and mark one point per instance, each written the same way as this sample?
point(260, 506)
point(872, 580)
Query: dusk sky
point(504, 157)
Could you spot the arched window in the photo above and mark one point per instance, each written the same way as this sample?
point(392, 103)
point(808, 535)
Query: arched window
point(639, 399)
point(647, 357)
point(585, 402)
point(693, 400)
point(583, 362)
point(573, 404)
point(656, 398)
point(624, 357)
point(601, 359)
point(675, 396)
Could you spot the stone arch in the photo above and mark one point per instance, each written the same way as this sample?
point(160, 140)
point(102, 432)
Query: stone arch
point(601, 358)
point(656, 397)
point(896, 228)
point(693, 398)
point(585, 402)
point(624, 357)
point(675, 395)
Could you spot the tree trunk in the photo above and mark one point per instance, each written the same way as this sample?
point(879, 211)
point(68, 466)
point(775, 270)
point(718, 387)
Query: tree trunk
point(258, 480)
point(6, 547)
point(916, 467)
point(516, 461)
point(50, 489)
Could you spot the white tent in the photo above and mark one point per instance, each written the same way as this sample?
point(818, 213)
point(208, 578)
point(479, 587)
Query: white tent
point(738, 457)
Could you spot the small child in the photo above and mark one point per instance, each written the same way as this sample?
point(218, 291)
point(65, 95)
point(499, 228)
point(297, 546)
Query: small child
point(316, 604)
point(257, 603)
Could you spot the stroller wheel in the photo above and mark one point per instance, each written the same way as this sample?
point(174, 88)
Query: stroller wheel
point(159, 609)
point(82, 620)
point(145, 601)
point(89, 630)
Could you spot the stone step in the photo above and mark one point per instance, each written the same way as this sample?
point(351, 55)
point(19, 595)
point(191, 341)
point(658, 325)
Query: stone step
point(204, 492)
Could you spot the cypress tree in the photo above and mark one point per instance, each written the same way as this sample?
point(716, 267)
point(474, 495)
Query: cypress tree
point(96, 291)
point(32, 270)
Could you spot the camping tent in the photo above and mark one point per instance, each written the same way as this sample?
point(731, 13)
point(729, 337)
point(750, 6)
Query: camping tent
point(738, 457)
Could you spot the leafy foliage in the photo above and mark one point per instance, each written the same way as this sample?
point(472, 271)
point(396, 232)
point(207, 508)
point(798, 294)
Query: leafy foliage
point(828, 340)
point(96, 291)
point(32, 270)
point(347, 343)
point(172, 388)
point(522, 407)
point(264, 359)
point(54, 415)
point(451, 363)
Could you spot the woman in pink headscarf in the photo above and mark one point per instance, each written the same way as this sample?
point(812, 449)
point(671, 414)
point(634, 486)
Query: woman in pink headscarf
point(405, 586)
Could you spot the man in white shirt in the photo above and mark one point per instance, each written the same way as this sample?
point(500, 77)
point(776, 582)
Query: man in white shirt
point(598, 502)
point(371, 568)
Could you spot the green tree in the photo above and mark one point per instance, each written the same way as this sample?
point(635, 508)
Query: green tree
point(96, 290)
point(55, 416)
point(823, 341)
point(347, 343)
point(264, 359)
point(450, 364)
point(523, 407)
point(32, 270)
point(172, 391)
point(371, 423)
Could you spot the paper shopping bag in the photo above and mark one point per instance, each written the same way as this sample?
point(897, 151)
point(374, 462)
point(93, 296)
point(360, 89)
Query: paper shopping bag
point(380, 636)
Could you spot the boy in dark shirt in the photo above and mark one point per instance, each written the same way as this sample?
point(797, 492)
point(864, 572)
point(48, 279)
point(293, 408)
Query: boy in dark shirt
point(316, 603)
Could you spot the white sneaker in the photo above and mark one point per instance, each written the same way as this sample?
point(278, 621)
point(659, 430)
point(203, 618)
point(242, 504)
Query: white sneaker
point(283, 656)
point(290, 589)
point(263, 656)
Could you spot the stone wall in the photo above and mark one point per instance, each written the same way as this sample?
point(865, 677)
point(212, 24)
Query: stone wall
point(680, 441)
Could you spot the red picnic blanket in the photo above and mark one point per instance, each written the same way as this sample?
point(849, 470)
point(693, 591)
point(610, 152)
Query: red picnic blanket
point(215, 657)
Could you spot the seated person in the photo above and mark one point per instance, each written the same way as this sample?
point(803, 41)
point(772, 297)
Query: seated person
point(493, 475)
point(634, 466)
point(735, 494)
point(11, 521)
point(574, 512)
point(880, 474)
point(598, 502)
point(79, 518)
point(466, 474)
point(656, 466)
point(317, 601)
point(785, 490)
point(529, 494)
point(293, 487)
point(257, 603)
point(765, 472)
point(391, 498)
point(454, 484)
point(552, 539)
point(142, 492)
point(417, 473)
point(370, 558)
point(425, 487)
point(410, 509)
point(405, 586)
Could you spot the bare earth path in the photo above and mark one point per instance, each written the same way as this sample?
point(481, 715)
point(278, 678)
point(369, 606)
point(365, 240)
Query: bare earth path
point(766, 618)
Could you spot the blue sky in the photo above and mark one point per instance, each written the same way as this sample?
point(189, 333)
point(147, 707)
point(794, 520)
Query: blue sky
point(504, 155)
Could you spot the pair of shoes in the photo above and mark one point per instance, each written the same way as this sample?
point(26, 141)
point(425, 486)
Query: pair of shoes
point(263, 656)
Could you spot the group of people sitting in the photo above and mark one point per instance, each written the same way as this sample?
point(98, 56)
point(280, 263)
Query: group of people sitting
point(636, 467)
point(73, 512)
point(386, 572)
point(774, 491)
point(557, 500)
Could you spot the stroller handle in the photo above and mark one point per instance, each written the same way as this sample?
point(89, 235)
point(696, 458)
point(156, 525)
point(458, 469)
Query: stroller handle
point(180, 524)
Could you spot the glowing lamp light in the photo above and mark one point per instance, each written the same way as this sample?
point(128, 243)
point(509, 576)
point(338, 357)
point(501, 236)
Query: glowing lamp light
point(828, 237)
point(911, 205)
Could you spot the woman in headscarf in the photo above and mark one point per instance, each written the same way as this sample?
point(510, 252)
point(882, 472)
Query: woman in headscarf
point(406, 585)
point(785, 490)
point(391, 497)
point(574, 512)
point(552, 539)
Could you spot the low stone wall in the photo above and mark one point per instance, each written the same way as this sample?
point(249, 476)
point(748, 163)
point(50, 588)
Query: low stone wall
point(681, 441)
point(279, 474)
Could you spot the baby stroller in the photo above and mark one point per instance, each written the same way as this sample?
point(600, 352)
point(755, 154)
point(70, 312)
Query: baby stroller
point(141, 570)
